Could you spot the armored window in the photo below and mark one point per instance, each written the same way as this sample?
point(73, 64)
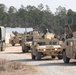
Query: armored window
point(50, 43)
point(55, 43)
point(29, 39)
point(41, 43)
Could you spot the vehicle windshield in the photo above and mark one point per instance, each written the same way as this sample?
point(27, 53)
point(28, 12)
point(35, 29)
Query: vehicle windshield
point(49, 43)
point(20, 38)
point(41, 43)
point(29, 39)
point(55, 43)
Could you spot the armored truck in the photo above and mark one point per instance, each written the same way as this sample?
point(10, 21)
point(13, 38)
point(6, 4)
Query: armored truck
point(69, 49)
point(26, 43)
point(44, 47)
point(16, 38)
point(69, 44)
point(27, 40)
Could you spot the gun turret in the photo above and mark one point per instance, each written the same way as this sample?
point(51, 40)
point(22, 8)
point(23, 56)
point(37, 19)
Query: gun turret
point(48, 35)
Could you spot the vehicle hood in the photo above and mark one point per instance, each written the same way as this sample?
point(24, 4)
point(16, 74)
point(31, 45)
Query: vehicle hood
point(30, 42)
point(56, 46)
point(44, 47)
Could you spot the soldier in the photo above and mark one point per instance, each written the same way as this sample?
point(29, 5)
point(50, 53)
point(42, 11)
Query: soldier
point(46, 31)
point(68, 32)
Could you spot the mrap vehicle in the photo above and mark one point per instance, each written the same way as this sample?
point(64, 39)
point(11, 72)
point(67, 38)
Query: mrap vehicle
point(2, 38)
point(27, 41)
point(16, 38)
point(69, 44)
point(46, 45)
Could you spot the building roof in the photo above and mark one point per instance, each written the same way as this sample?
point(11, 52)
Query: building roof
point(19, 30)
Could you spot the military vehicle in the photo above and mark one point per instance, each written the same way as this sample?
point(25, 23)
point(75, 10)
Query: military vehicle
point(27, 41)
point(16, 38)
point(69, 44)
point(2, 38)
point(46, 45)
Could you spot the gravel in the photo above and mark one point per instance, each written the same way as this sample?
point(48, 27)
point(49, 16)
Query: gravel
point(46, 66)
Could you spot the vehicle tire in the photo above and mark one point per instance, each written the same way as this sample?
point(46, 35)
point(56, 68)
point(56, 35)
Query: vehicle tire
point(38, 56)
point(52, 57)
point(2, 47)
point(23, 51)
point(13, 44)
point(33, 56)
point(20, 42)
point(65, 59)
point(60, 56)
point(26, 49)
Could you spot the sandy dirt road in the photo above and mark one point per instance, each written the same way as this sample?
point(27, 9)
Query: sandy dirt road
point(46, 66)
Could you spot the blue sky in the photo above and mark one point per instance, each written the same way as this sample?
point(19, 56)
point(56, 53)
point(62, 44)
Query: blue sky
point(53, 4)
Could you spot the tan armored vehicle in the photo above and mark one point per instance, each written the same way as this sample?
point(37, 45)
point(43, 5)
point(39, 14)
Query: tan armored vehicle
point(45, 46)
point(69, 45)
point(27, 41)
point(16, 38)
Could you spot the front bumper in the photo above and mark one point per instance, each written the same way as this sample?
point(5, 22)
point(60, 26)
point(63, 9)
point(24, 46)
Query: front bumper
point(49, 51)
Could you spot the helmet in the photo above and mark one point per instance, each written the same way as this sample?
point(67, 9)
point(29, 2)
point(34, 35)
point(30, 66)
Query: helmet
point(47, 30)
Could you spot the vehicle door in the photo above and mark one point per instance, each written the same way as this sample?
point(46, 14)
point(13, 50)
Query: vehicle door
point(34, 48)
point(71, 46)
point(67, 48)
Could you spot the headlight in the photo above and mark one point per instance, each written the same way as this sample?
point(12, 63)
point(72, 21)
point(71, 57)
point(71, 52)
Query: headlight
point(55, 49)
point(30, 44)
point(44, 49)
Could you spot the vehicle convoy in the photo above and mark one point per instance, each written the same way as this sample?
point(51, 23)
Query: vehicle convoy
point(69, 45)
point(46, 46)
point(27, 41)
point(2, 38)
point(16, 38)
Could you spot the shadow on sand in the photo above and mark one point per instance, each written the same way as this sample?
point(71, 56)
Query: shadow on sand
point(52, 62)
